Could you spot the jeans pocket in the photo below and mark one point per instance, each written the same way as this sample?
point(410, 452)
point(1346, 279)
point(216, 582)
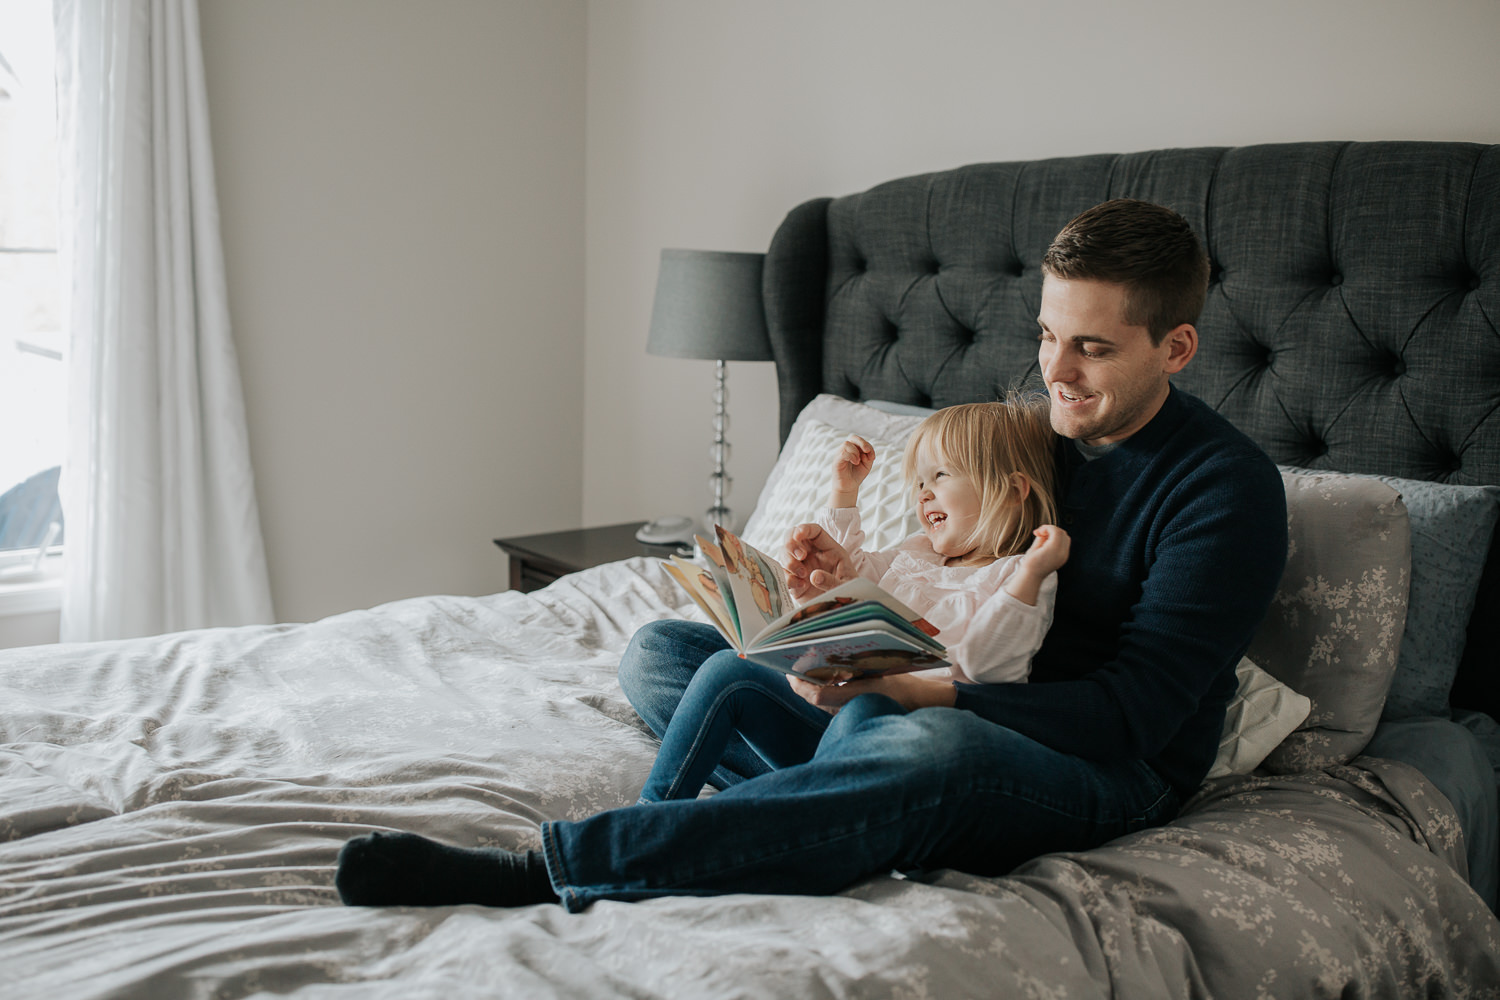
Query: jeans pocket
point(1159, 801)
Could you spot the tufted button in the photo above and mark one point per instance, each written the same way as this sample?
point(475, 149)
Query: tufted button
point(1015, 269)
point(1215, 272)
point(1474, 282)
point(1335, 279)
point(1317, 449)
point(1398, 365)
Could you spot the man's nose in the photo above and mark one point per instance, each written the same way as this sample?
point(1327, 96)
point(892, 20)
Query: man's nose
point(1056, 367)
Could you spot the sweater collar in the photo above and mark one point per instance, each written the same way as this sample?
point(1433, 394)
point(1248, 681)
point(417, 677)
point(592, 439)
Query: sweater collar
point(1172, 415)
point(1149, 439)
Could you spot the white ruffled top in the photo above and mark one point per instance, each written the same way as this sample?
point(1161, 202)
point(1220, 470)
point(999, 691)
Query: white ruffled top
point(991, 636)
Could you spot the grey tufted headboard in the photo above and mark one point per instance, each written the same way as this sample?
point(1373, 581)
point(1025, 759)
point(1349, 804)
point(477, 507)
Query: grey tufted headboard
point(1352, 322)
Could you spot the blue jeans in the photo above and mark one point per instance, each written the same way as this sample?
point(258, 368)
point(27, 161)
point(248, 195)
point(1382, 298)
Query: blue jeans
point(655, 672)
point(726, 698)
point(886, 789)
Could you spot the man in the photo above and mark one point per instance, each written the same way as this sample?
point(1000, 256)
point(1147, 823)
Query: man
point(1179, 539)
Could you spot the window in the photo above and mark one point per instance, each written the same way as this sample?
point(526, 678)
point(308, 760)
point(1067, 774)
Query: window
point(32, 339)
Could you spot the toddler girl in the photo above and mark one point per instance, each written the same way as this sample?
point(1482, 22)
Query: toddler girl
point(982, 569)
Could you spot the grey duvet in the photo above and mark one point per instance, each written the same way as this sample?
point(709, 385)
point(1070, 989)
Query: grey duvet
point(171, 809)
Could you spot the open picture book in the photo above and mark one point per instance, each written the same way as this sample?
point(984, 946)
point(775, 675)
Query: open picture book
point(855, 630)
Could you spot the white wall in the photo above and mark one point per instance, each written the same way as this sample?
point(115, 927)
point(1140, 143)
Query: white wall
point(400, 187)
point(402, 190)
point(29, 628)
point(707, 122)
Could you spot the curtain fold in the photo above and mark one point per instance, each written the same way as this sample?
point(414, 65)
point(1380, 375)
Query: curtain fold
point(157, 489)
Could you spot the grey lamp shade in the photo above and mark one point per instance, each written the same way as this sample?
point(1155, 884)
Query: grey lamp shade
point(708, 305)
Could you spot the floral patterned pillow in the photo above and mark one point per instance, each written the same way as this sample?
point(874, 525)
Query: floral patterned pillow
point(1334, 628)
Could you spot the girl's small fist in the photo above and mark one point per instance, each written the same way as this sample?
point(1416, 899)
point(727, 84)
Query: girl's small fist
point(1049, 549)
point(852, 464)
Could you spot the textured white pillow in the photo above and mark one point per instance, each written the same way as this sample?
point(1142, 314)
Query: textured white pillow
point(797, 488)
point(1262, 713)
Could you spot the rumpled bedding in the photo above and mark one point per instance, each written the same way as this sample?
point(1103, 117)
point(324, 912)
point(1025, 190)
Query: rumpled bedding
point(171, 809)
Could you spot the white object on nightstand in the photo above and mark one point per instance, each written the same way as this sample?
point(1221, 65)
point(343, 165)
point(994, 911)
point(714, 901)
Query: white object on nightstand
point(667, 531)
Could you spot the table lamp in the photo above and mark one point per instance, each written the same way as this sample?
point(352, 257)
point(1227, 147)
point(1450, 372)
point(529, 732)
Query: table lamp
point(708, 306)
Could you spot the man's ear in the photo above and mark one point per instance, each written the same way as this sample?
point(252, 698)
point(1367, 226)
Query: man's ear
point(1182, 344)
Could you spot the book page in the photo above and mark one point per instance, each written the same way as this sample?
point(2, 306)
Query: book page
point(841, 596)
point(704, 590)
point(849, 616)
point(756, 584)
point(719, 572)
point(847, 657)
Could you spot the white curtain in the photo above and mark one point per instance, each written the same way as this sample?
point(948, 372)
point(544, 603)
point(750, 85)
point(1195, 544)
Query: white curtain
point(162, 527)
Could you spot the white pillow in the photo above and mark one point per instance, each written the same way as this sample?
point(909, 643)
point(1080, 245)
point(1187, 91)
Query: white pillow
point(797, 488)
point(1262, 713)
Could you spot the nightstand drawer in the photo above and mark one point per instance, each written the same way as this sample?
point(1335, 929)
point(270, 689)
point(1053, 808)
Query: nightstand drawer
point(527, 575)
point(537, 560)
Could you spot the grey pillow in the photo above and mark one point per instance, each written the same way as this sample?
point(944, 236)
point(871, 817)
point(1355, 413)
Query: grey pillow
point(1451, 528)
point(1335, 624)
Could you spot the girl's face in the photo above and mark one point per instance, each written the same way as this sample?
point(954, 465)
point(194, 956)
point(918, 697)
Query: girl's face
point(947, 503)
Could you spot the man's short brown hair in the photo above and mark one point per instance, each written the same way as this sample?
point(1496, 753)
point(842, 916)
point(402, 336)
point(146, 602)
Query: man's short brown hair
point(1148, 249)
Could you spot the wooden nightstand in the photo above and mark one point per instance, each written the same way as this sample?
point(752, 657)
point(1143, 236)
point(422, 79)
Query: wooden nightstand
point(537, 560)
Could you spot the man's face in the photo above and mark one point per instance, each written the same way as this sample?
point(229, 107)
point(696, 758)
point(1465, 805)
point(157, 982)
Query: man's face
point(1105, 377)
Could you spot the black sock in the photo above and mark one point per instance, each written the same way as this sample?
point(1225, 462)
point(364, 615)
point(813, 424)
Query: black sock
point(403, 869)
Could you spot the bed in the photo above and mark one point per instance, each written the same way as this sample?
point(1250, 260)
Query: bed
point(171, 807)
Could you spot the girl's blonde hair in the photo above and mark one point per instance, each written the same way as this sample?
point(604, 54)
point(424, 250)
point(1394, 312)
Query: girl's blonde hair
point(988, 442)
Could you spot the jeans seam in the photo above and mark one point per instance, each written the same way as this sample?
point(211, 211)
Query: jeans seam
point(1122, 818)
point(857, 830)
point(846, 834)
point(557, 870)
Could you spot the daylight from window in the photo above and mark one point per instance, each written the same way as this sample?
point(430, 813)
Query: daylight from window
point(32, 339)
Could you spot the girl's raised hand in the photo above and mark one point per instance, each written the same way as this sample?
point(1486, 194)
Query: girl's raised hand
point(1049, 550)
point(851, 465)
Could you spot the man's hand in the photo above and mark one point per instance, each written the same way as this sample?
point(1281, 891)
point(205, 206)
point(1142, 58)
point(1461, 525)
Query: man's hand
point(815, 563)
point(910, 691)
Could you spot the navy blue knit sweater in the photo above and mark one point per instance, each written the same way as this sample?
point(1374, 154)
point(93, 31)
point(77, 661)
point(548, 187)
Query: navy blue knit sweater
point(1179, 540)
